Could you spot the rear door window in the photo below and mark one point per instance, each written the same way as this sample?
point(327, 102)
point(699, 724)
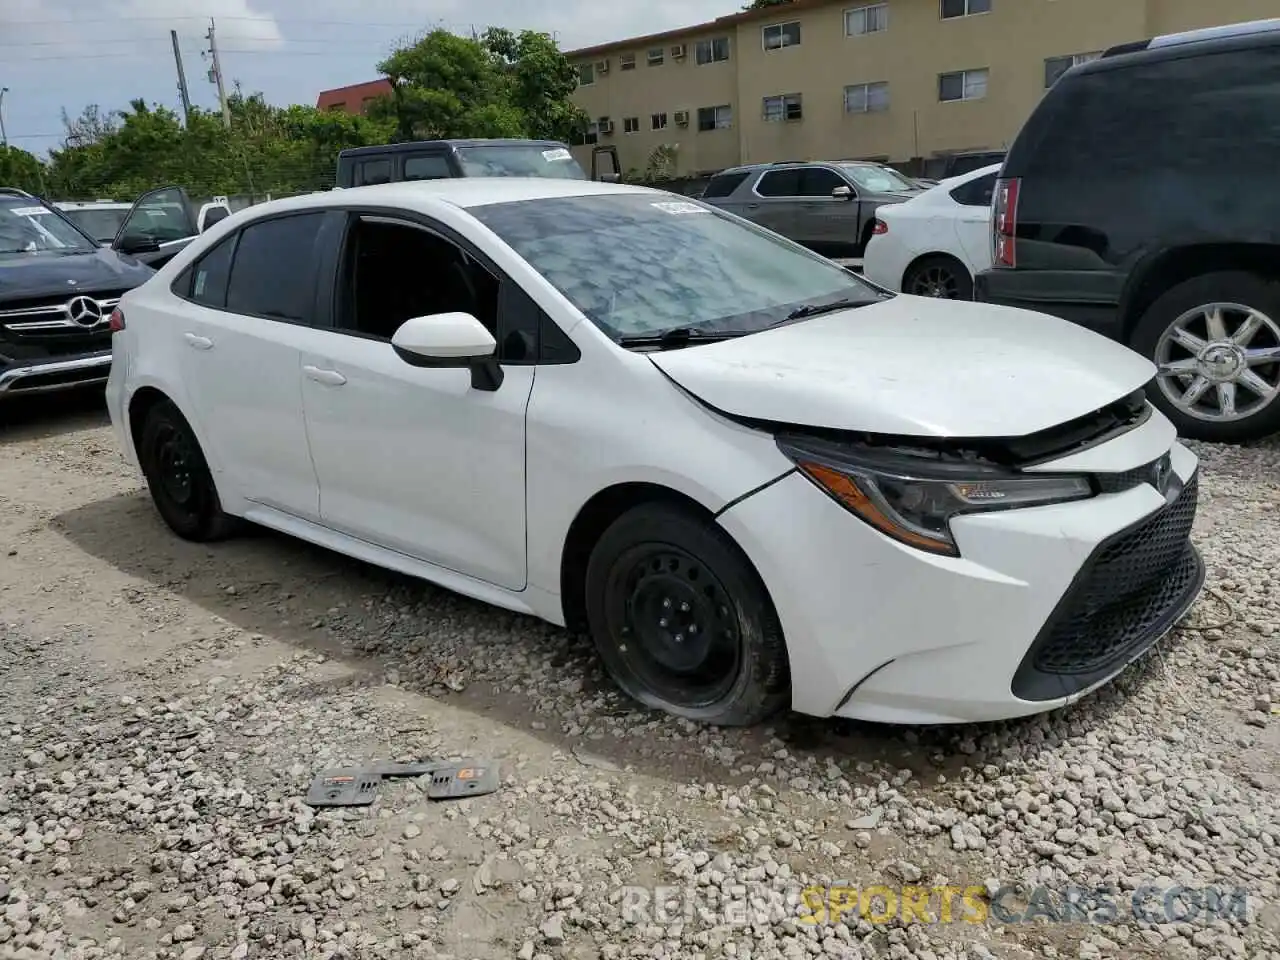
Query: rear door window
point(373, 171)
point(274, 270)
point(427, 166)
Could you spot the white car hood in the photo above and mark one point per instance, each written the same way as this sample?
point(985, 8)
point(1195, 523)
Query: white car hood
point(914, 366)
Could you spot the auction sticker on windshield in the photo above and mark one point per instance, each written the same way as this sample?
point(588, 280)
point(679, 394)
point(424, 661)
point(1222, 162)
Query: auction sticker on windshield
point(678, 206)
point(29, 211)
point(558, 154)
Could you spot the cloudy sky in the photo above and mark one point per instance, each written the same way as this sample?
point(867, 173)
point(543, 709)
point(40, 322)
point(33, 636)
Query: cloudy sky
point(57, 54)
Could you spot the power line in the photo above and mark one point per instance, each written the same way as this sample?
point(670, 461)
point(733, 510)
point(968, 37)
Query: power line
point(254, 52)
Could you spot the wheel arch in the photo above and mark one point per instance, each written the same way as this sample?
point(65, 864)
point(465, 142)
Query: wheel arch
point(590, 523)
point(1157, 273)
point(932, 255)
point(142, 401)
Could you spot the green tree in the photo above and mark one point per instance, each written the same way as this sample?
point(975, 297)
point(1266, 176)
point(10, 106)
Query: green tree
point(501, 84)
point(21, 169)
point(761, 4)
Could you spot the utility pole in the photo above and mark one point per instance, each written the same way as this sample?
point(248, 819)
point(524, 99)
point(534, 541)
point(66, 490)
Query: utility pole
point(4, 137)
point(215, 75)
point(182, 78)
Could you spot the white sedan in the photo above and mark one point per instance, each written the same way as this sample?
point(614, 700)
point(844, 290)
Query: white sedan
point(756, 480)
point(935, 243)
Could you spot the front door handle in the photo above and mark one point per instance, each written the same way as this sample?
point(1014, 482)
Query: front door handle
point(200, 343)
point(330, 378)
point(753, 206)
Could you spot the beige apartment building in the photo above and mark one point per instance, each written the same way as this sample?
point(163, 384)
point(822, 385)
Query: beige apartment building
point(889, 80)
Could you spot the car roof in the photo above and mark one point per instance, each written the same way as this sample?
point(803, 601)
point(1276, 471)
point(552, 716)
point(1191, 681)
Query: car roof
point(461, 192)
point(960, 179)
point(380, 149)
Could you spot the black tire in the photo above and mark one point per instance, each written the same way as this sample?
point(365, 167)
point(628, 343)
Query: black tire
point(1236, 287)
point(938, 271)
point(663, 553)
point(178, 477)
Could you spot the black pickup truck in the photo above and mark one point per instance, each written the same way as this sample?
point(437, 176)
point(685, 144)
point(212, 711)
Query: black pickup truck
point(439, 159)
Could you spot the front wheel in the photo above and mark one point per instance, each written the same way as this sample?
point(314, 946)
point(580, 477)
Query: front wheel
point(178, 477)
point(682, 621)
point(1215, 340)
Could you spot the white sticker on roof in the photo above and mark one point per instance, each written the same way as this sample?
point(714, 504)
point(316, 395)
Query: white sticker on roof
point(678, 206)
point(559, 153)
point(30, 211)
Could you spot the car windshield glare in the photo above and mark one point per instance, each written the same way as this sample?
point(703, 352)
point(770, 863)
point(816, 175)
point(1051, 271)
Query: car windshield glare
point(535, 161)
point(878, 179)
point(638, 265)
point(28, 226)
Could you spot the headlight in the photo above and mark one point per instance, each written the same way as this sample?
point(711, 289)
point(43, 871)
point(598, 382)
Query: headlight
point(913, 498)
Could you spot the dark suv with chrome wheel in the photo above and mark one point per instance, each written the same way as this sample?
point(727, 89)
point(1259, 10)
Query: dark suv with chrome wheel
point(1139, 200)
point(58, 287)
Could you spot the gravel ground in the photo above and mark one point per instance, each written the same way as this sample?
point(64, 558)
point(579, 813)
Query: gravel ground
point(166, 704)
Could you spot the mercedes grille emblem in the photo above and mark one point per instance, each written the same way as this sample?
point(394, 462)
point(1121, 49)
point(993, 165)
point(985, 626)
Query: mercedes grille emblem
point(84, 311)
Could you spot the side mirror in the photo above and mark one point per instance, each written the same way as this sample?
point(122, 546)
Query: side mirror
point(450, 340)
point(842, 193)
point(136, 244)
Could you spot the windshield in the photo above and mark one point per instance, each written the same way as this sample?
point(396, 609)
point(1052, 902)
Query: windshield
point(98, 222)
point(535, 160)
point(877, 179)
point(642, 264)
point(27, 226)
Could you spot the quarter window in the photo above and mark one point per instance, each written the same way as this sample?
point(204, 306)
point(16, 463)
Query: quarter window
point(863, 20)
point(976, 193)
point(209, 278)
point(781, 35)
point(866, 97)
point(711, 51)
point(950, 9)
point(274, 270)
point(785, 107)
point(962, 85)
point(715, 118)
point(1055, 67)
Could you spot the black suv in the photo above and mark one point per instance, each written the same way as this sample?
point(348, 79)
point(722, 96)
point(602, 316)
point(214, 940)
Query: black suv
point(1140, 200)
point(58, 287)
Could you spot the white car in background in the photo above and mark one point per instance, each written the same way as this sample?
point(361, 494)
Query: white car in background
point(753, 478)
point(933, 244)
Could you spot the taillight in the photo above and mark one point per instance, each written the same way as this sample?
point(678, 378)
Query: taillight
point(1004, 223)
point(117, 320)
point(879, 227)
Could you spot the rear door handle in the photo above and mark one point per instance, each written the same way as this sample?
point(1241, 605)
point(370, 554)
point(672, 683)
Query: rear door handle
point(200, 343)
point(753, 206)
point(331, 378)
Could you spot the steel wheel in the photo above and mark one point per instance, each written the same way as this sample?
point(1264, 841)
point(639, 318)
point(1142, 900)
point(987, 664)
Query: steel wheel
point(1220, 362)
point(678, 624)
point(178, 476)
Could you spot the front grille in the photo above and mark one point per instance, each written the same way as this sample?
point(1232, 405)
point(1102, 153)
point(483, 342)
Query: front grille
point(1130, 592)
point(47, 319)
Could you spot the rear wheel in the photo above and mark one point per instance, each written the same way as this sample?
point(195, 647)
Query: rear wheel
point(1215, 340)
point(682, 621)
point(938, 276)
point(178, 477)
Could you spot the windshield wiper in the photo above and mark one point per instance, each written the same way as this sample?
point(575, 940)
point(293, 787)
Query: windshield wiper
point(814, 309)
point(678, 337)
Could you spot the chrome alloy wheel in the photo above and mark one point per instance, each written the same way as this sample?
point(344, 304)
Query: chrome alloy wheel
point(1220, 362)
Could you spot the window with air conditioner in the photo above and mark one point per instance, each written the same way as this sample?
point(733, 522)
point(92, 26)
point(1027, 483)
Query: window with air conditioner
point(783, 107)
